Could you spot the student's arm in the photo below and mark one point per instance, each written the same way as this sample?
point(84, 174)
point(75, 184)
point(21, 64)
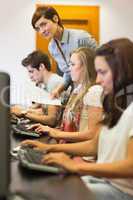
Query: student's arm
point(81, 148)
point(67, 81)
point(94, 117)
point(17, 110)
point(49, 119)
point(36, 110)
point(117, 169)
point(57, 91)
point(93, 101)
point(35, 105)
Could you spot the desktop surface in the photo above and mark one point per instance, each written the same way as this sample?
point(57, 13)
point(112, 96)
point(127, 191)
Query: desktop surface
point(41, 186)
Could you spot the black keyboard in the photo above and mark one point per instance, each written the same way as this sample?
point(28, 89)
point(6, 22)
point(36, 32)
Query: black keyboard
point(31, 158)
point(21, 129)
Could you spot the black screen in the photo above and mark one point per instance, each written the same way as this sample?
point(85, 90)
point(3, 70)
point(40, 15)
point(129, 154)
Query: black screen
point(4, 133)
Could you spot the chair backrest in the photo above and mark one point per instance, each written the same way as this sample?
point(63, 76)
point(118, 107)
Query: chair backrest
point(4, 134)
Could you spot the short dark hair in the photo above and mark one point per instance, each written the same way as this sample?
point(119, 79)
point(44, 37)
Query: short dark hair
point(35, 59)
point(118, 53)
point(47, 12)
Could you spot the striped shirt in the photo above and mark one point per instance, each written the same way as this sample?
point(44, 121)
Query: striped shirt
point(71, 40)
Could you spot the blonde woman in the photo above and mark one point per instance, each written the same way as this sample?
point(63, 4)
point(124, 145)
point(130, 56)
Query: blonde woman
point(83, 108)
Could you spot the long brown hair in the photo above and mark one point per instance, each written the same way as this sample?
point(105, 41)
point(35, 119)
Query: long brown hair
point(118, 54)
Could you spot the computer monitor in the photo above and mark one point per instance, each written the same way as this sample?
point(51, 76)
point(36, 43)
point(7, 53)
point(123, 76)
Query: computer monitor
point(4, 134)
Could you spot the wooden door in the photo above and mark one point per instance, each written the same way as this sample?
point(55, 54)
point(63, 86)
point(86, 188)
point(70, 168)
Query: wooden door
point(79, 17)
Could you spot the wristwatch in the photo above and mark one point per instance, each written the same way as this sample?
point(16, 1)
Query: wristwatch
point(23, 113)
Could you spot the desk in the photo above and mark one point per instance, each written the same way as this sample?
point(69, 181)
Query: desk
point(47, 186)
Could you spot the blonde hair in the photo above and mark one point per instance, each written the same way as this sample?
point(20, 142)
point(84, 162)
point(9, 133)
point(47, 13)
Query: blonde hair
point(86, 56)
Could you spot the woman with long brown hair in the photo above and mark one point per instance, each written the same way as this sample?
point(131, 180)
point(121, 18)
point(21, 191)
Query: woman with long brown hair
point(111, 177)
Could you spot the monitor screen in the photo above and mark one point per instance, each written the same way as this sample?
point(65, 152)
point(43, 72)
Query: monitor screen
point(4, 133)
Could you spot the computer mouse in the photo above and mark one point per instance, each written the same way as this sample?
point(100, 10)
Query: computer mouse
point(16, 149)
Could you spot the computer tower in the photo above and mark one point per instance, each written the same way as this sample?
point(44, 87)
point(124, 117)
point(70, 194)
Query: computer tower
point(4, 134)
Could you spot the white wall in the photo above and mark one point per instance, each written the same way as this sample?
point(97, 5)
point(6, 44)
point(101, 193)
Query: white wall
point(17, 38)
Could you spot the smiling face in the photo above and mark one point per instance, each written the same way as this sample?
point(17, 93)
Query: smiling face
point(76, 68)
point(104, 74)
point(47, 28)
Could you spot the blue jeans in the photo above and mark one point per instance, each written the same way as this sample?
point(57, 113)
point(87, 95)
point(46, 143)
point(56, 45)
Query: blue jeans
point(103, 190)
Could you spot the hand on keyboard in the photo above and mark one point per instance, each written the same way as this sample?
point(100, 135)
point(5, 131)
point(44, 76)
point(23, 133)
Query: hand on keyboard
point(40, 129)
point(36, 144)
point(33, 155)
point(21, 129)
point(32, 159)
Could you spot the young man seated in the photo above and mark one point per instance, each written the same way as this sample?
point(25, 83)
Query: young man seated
point(39, 69)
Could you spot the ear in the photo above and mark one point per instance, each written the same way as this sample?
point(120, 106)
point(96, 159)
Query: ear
point(55, 19)
point(41, 67)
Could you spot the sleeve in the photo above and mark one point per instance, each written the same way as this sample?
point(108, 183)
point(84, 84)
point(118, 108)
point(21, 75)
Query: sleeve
point(131, 133)
point(67, 80)
point(50, 48)
point(94, 96)
point(87, 41)
point(129, 118)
